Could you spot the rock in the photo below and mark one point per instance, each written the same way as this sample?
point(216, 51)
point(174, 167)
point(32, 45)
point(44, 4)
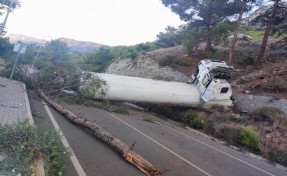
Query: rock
point(268, 136)
point(236, 117)
point(234, 147)
point(249, 103)
point(277, 134)
point(2, 157)
point(247, 91)
point(268, 129)
point(145, 67)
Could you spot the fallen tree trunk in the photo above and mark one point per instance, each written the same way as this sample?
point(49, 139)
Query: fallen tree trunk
point(103, 135)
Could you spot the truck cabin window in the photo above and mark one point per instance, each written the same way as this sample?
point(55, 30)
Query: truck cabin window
point(219, 75)
point(224, 90)
point(206, 79)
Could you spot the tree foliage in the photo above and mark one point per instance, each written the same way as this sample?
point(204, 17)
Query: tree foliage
point(58, 51)
point(99, 60)
point(203, 15)
point(170, 38)
point(6, 49)
point(279, 21)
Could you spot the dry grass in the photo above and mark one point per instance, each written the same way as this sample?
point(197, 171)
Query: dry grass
point(278, 84)
point(271, 115)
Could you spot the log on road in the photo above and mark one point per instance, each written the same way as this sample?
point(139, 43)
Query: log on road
point(125, 151)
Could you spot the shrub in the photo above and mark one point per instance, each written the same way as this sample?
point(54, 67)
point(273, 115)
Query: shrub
point(123, 111)
point(267, 111)
point(148, 119)
point(277, 83)
point(269, 114)
point(246, 137)
point(193, 119)
point(249, 139)
point(231, 134)
point(277, 157)
point(219, 108)
point(20, 142)
point(159, 109)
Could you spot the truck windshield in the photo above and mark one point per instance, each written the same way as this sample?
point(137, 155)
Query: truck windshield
point(219, 75)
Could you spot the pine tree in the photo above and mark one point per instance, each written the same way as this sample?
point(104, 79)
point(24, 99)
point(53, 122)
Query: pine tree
point(203, 15)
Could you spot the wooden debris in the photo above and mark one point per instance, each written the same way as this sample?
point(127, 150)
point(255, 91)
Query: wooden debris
point(115, 143)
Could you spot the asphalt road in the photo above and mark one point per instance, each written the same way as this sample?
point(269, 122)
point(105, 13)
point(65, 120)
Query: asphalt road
point(180, 151)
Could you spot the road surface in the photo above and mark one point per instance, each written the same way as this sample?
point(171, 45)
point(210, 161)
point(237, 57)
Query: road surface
point(180, 151)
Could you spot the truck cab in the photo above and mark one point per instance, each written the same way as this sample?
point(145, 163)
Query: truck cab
point(211, 80)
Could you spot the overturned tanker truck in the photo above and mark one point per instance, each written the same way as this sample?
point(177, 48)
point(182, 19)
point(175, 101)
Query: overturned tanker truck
point(208, 86)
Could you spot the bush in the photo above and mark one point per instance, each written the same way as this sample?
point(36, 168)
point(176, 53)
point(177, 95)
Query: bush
point(159, 109)
point(249, 139)
point(121, 110)
point(21, 142)
point(149, 119)
point(193, 119)
point(231, 134)
point(277, 157)
point(277, 83)
point(270, 114)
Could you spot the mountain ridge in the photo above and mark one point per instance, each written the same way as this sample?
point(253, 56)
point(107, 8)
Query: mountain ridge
point(74, 45)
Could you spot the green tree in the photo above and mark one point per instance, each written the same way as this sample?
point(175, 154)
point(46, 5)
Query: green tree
point(6, 49)
point(169, 38)
point(203, 15)
point(219, 33)
point(98, 60)
point(58, 51)
point(143, 47)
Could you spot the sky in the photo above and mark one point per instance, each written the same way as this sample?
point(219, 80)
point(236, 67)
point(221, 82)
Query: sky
point(109, 22)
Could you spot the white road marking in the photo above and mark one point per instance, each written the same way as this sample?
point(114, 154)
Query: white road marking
point(166, 148)
point(73, 158)
point(221, 151)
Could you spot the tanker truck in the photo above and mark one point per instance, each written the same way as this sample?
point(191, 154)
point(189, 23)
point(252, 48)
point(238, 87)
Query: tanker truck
point(207, 87)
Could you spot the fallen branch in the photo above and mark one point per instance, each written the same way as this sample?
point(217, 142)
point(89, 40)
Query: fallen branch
point(115, 143)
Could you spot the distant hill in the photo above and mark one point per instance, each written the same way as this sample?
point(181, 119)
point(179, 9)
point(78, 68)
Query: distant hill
point(74, 45)
point(24, 38)
point(81, 46)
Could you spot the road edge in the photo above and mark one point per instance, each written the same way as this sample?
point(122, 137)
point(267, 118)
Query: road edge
point(38, 163)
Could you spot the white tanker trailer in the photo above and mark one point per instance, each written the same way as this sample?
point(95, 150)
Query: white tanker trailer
point(208, 86)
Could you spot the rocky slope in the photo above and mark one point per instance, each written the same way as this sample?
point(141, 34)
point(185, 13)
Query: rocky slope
point(146, 67)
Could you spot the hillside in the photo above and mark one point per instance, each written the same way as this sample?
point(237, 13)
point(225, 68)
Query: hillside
point(153, 64)
point(81, 46)
point(23, 38)
point(74, 45)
